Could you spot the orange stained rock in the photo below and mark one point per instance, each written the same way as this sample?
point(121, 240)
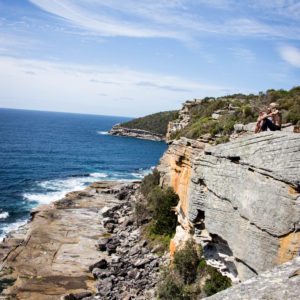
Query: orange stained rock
point(172, 248)
point(289, 247)
point(292, 191)
point(180, 178)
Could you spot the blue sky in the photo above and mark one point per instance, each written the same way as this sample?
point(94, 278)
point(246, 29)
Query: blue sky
point(133, 57)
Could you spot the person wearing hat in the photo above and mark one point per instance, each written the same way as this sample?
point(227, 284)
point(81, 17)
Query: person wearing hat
point(272, 119)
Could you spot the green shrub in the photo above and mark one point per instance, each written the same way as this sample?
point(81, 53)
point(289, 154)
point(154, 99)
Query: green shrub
point(171, 289)
point(293, 115)
point(149, 182)
point(161, 243)
point(223, 139)
point(247, 108)
point(161, 203)
point(216, 282)
point(186, 262)
point(185, 277)
point(156, 123)
point(141, 212)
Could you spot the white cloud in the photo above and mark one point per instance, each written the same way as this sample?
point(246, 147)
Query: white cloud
point(178, 19)
point(110, 90)
point(98, 18)
point(291, 55)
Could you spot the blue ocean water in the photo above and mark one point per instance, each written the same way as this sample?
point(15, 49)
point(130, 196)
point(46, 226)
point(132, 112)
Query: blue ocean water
point(44, 155)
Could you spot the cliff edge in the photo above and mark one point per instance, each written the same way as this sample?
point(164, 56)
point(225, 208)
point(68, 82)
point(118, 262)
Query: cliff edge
point(239, 200)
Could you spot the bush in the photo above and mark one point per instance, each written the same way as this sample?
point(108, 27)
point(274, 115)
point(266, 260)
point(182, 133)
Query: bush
point(216, 283)
point(156, 123)
point(161, 203)
point(186, 262)
point(161, 243)
point(141, 212)
point(185, 278)
point(149, 182)
point(171, 288)
point(246, 111)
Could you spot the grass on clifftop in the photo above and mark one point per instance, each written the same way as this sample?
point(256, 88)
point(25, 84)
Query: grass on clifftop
point(246, 109)
point(156, 123)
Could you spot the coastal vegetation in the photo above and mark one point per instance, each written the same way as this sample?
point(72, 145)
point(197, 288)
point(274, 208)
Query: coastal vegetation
point(156, 123)
point(217, 116)
point(156, 211)
point(189, 277)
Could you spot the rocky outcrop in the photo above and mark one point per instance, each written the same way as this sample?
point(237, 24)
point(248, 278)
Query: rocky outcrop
point(176, 167)
point(282, 282)
point(183, 118)
point(136, 133)
point(240, 200)
point(84, 246)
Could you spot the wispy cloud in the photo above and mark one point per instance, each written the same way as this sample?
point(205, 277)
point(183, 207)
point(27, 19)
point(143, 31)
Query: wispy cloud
point(107, 21)
point(178, 19)
point(164, 87)
point(291, 55)
point(91, 88)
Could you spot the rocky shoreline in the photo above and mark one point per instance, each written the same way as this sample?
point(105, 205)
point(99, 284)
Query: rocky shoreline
point(136, 133)
point(84, 246)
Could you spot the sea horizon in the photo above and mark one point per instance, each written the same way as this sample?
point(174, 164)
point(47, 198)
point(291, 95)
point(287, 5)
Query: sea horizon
point(45, 155)
point(68, 112)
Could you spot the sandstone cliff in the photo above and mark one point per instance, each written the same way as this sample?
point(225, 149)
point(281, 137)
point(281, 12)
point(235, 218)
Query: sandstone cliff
point(240, 200)
point(184, 118)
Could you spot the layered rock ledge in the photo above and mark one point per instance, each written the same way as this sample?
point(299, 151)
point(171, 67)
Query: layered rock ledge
point(240, 200)
point(136, 133)
point(78, 247)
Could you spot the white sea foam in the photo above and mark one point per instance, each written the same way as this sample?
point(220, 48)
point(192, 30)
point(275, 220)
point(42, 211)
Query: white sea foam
point(52, 190)
point(45, 198)
point(11, 227)
point(4, 215)
point(99, 175)
point(102, 132)
point(142, 173)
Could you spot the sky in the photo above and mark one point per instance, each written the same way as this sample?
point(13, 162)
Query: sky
point(136, 57)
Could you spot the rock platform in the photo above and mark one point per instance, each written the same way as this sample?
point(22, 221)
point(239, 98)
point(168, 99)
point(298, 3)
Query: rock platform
point(58, 253)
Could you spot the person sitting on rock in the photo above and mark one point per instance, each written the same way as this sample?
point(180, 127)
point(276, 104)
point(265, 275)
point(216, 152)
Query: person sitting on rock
point(272, 119)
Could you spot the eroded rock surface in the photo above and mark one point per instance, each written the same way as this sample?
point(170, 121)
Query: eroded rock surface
point(86, 246)
point(240, 200)
point(282, 282)
point(52, 257)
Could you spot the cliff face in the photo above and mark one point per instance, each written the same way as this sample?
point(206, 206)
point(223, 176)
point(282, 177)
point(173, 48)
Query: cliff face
point(183, 120)
point(240, 200)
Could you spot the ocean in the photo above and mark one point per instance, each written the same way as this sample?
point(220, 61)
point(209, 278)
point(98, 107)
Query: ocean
point(44, 155)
